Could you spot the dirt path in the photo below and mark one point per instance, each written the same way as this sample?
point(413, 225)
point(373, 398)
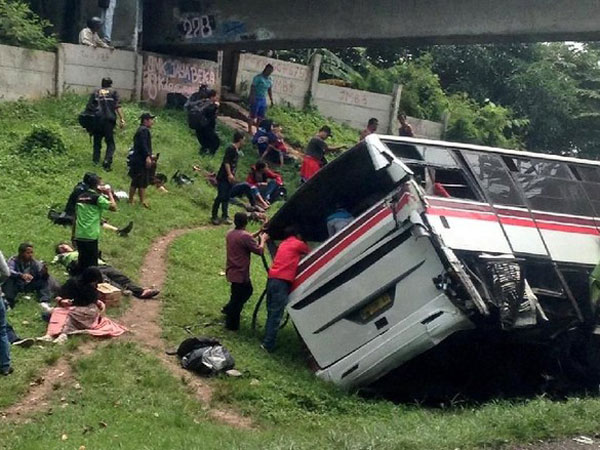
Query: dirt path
point(143, 320)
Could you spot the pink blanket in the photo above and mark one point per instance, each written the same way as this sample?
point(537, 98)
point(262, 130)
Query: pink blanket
point(103, 326)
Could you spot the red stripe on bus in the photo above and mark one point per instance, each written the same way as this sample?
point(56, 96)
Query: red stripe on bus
point(327, 257)
point(516, 221)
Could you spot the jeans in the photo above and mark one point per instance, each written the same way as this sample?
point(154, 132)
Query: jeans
point(223, 194)
point(4, 344)
point(88, 254)
point(277, 298)
point(107, 19)
point(240, 189)
point(268, 190)
point(14, 286)
point(119, 278)
point(107, 133)
point(240, 293)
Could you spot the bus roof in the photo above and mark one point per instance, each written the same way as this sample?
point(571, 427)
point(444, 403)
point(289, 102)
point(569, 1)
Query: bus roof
point(482, 148)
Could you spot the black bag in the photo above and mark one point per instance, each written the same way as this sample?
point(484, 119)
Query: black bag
point(191, 344)
point(88, 122)
point(197, 113)
point(104, 4)
point(205, 356)
point(175, 100)
point(197, 119)
point(98, 111)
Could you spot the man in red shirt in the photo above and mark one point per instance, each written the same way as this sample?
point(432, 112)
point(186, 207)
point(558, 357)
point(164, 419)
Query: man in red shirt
point(281, 275)
point(240, 244)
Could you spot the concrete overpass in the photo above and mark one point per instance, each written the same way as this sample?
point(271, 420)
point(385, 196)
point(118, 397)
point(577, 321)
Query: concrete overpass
point(199, 25)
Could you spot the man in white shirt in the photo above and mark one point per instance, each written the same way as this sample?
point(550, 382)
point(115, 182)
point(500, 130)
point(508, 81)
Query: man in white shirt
point(89, 35)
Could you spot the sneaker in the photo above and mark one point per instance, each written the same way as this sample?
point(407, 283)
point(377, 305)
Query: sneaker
point(226, 221)
point(262, 346)
point(107, 168)
point(25, 343)
point(215, 221)
point(6, 372)
point(123, 232)
point(46, 307)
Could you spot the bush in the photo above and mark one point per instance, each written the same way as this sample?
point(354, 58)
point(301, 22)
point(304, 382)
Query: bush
point(20, 27)
point(489, 124)
point(43, 139)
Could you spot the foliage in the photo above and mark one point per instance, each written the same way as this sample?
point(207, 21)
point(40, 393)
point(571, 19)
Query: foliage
point(19, 26)
point(489, 124)
point(43, 139)
point(332, 66)
point(555, 86)
point(299, 126)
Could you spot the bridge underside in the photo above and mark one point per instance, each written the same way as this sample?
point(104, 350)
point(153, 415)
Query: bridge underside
point(190, 26)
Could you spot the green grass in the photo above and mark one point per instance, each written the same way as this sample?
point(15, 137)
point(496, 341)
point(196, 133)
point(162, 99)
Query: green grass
point(30, 184)
point(299, 126)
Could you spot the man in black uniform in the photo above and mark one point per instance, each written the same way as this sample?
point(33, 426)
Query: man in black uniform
point(141, 159)
point(104, 103)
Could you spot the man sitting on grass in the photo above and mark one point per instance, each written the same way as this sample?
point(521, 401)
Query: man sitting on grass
point(27, 275)
point(67, 256)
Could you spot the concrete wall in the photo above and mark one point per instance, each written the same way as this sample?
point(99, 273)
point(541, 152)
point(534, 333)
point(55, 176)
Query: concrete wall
point(422, 128)
point(352, 106)
point(81, 69)
point(163, 74)
point(26, 73)
point(291, 82)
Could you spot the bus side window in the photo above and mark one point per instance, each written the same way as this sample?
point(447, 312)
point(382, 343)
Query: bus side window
point(493, 177)
point(550, 186)
point(589, 177)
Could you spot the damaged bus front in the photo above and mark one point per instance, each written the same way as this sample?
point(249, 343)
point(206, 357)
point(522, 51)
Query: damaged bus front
point(442, 238)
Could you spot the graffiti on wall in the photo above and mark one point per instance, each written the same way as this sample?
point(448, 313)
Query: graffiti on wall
point(162, 75)
point(353, 97)
point(203, 26)
point(256, 63)
point(196, 26)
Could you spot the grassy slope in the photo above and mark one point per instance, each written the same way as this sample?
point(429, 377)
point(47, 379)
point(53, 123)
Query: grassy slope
point(143, 406)
point(29, 185)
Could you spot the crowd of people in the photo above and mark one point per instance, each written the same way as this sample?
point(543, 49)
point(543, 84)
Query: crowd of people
point(78, 306)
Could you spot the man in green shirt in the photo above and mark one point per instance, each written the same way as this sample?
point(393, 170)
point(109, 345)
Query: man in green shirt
point(262, 85)
point(88, 221)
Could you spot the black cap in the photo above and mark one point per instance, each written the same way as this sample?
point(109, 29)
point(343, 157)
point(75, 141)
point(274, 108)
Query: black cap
point(147, 115)
point(327, 130)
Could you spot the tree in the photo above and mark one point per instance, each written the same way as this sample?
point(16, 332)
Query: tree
point(19, 26)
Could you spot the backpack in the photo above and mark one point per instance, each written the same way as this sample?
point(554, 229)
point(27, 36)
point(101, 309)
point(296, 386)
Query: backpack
point(197, 114)
point(205, 356)
point(98, 111)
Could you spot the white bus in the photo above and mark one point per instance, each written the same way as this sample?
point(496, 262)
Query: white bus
point(445, 237)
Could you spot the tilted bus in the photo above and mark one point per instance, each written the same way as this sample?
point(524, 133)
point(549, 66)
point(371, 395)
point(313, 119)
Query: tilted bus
point(446, 237)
